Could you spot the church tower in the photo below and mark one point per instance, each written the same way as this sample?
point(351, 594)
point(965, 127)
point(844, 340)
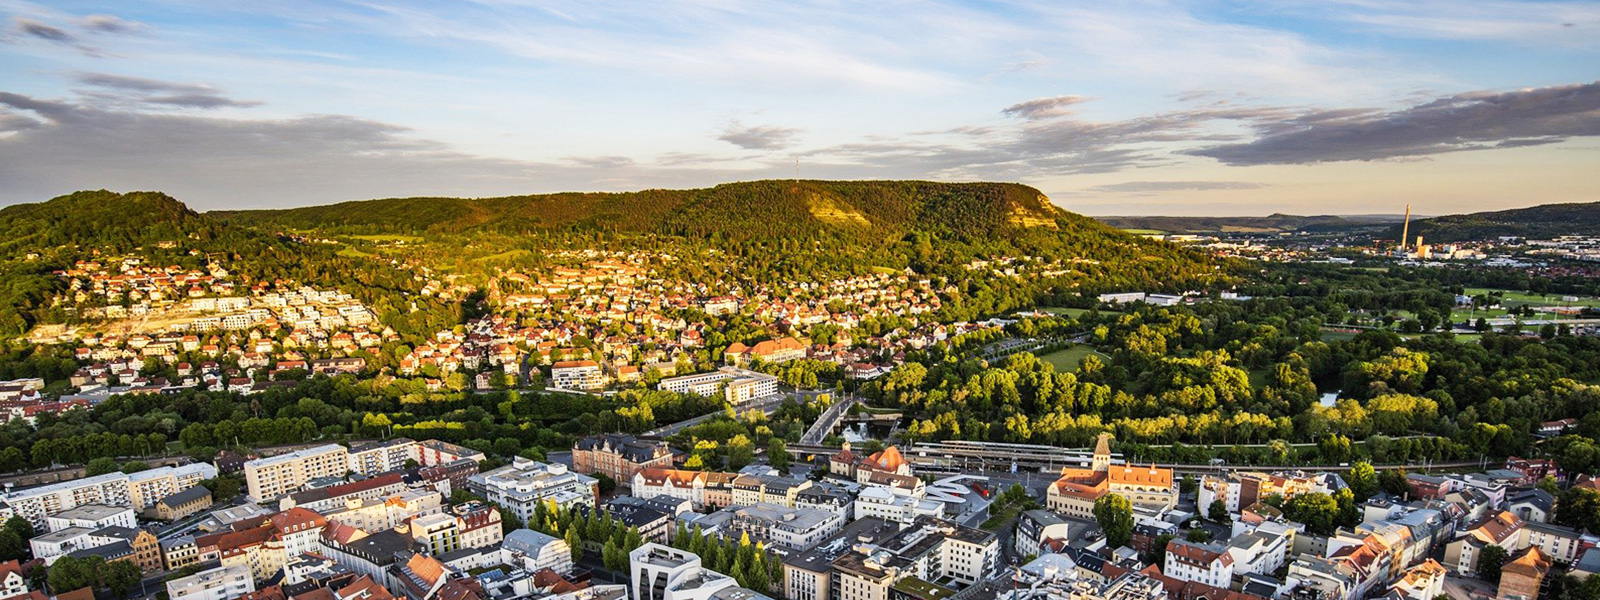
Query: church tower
point(1102, 454)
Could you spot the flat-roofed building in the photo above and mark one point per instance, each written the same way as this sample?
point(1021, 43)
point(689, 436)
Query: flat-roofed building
point(577, 375)
point(93, 516)
point(792, 528)
point(275, 476)
point(221, 583)
point(37, 503)
point(147, 487)
point(429, 453)
point(522, 485)
point(372, 458)
point(737, 386)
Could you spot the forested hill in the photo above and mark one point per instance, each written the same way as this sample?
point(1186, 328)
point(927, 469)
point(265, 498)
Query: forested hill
point(767, 209)
point(781, 231)
point(97, 218)
point(1543, 221)
point(37, 240)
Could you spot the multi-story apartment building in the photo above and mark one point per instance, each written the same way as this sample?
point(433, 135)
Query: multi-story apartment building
point(522, 485)
point(535, 551)
point(479, 525)
point(737, 386)
point(930, 550)
point(92, 516)
point(372, 458)
point(809, 575)
point(1204, 563)
point(35, 504)
point(336, 497)
point(221, 583)
point(271, 477)
point(436, 534)
point(619, 457)
point(666, 573)
point(430, 453)
point(149, 486)
point(577, 375)
point(182, 504)
point(387, 511)
point(792, 528)
point(1240, 489)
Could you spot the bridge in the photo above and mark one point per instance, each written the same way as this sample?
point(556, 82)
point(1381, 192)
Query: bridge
point(973, 457)
point(876, 418)
point(827, 422)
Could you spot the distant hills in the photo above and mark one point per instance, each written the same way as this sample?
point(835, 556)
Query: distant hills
point(36, 240)
point(97, 218)
point(1274, 223)
point(774, 231)
point(738, 210)
point(1544, 221)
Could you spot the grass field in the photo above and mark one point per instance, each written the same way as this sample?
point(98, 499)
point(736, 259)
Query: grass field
point(1336, 336)
point(1066, 359)
point(1145, 231)
point(507, 255)
point(409, 239)
point(1073, 312)
point(1516, 298)
point(354, 253)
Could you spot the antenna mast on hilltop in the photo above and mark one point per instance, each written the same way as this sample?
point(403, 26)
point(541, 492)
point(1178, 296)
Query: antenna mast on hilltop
point(1405, 230)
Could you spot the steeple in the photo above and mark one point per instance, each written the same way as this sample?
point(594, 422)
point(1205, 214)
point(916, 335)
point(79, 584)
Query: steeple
point(1102, 453)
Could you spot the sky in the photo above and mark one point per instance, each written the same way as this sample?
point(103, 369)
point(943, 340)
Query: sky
point(1110, 108)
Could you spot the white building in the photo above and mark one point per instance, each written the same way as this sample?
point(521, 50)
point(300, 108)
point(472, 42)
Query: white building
point(147, 487)
point(523, 484)
point(736, 385)
point(577, 375)
point(372, 458)
point(877, 501)
point(221, 583)
point(793, 528)
point(92, 516)
point(274, 476)
point(34, 504)
point(665, 573)
point(534, 551)
point(1203, 563)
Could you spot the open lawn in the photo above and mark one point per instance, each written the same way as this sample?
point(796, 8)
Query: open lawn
point(1516, 298)
point(1145, 231)
point(352, 252)
point(1066, 359)
point(1072, 312)
point(507, 255)
point(409, 239)
point(1336, 336)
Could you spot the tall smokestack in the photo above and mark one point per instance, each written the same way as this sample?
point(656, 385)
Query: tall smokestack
point(1405, 230)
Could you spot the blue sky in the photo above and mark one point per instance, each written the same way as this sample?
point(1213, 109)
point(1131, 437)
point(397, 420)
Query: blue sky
point(1210, 108)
